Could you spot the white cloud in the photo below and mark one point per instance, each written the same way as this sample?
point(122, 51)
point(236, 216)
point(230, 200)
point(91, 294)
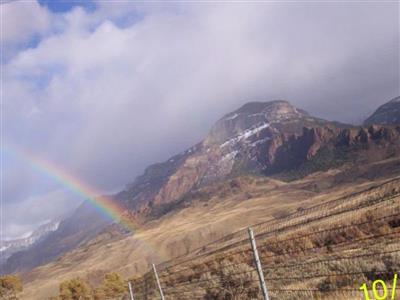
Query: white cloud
point(124, 86)
point(21, 22)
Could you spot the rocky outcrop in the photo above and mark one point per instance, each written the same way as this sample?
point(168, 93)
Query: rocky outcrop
point(370, 143)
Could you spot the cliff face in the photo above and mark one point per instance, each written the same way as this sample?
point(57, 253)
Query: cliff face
point(329, 146)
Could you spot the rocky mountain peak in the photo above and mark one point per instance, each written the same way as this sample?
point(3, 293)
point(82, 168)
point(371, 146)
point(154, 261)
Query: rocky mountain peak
point(258, 106)
point(282, 110)
point(272, 111)
point(260, 115)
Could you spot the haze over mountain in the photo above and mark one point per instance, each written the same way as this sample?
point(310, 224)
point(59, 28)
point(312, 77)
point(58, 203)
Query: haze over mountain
point(11, 246)
point(387, 114)
point(84, 224)
point(260, 138)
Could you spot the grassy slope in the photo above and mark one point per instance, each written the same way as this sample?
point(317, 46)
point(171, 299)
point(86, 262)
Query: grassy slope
point(232, 206)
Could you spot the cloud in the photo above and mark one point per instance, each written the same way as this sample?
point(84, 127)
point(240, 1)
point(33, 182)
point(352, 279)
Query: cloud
point(127, 85)
point(23, 20)
point(17, 221)
point(21, 23)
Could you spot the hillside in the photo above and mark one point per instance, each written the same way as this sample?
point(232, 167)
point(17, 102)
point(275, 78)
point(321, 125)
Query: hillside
point(258, 139)
point(15, 245)
point(261, 162)
point(75, 230)
point(208, 214)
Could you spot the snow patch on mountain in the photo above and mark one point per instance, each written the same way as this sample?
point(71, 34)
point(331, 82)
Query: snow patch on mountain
point(8, 247)
point(234, 116)
point(229, 156)
point(259, 142)
point(245, 135)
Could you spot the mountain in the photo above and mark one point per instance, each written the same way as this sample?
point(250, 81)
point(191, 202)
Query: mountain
point(79, 228)
point(236, 144)
point(273, 139)
point(265, 138)
point(12, 246)
point(387, 114)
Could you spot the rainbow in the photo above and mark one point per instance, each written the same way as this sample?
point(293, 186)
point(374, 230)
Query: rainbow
point(104, 204)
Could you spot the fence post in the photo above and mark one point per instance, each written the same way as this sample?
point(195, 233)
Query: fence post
point(158, 283)
point(258, 265)
point(130, 290)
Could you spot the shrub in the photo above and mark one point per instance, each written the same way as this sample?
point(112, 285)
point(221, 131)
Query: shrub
point(233, 282)
point(10, 286)
point(75, 289)
point(113, 286)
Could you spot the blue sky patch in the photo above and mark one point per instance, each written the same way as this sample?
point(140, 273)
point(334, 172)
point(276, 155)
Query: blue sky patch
point(60, 6)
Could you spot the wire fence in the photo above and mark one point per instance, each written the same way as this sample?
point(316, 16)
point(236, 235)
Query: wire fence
point(326, 251)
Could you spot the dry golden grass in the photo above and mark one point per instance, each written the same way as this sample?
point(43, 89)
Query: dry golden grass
point(229, 209)
point(298, 260)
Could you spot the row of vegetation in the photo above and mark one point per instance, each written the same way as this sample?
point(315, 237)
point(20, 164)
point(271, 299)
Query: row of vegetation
point(112, 287)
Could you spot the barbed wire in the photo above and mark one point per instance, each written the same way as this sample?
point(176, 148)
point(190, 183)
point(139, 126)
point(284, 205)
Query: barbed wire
point(167, 289)
point(233, 285)
point(225, 266)
point(186, 282)
point(272, 232)
point(342, 243)
point(288, 217)
point(232, 254)
point(317, 290)
point(331, 260)
point(323, 216)
point(339, 228)
point(327, 275)
point(221, 269)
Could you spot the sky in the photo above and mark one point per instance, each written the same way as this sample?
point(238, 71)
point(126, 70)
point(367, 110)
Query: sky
point(102, 89)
